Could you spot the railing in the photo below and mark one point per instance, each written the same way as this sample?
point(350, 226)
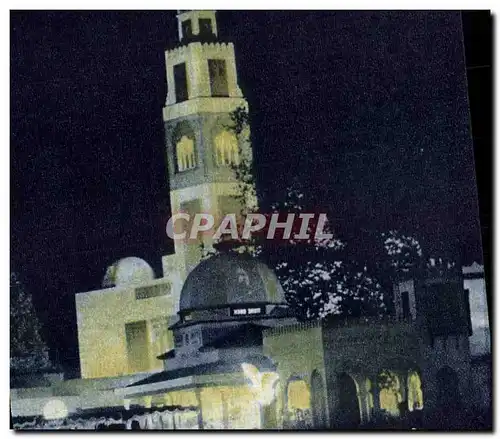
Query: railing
point(367, 321)
point(301, 326)
point(340, 322)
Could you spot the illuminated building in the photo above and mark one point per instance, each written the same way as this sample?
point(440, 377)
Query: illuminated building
point(217, 362)
point(216, 334)
point(118, 333)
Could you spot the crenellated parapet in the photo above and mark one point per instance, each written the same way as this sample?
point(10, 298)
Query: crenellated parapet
point(218, 46)
point(177, 52)
point(201, 70)
point(215, 44)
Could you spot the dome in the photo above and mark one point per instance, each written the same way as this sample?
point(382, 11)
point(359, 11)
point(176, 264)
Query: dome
point(128, 271)
point(229, 279)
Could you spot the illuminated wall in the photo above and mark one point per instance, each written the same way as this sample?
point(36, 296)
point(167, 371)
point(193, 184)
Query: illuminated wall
point(186, 257)
point(298, 396)
point(298, 351)
point(229, 407)
point(480, 341)
point(102, 317)
point(223, 407)
point(199, 147)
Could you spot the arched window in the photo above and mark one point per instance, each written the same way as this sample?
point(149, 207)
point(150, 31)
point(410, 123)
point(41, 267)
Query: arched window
point(415, 396)
point(298, 404)
point(184, 151)
point(390, 392)
point(226, 149)
point(349, 411)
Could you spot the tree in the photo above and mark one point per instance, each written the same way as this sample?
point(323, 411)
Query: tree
point(244, 169)
point(318, 278)
point(403, 252)
point(27, 349)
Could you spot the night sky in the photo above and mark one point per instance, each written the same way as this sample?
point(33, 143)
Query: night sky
point(368, 111)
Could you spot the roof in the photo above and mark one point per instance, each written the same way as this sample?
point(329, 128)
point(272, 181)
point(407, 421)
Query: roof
point(262, 363)
point(167, 355)
point(474, 268)
point(228, 279)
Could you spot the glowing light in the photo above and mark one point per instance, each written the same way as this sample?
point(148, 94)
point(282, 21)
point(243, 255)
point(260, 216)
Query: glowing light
point(390, 394)
point(55, 409)
point(298, 395)
point(415, 395)
point(262, 384)
point(185, 154)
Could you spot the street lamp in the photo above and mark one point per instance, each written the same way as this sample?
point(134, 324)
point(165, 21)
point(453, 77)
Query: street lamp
point(55, 409)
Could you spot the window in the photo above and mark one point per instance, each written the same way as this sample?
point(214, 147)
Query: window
point(137, 346)
point(226, 149)
point(229, 205)
point(205, 27)
point(415, 395)
point(246, 311)
point(161, 336)
point(218, 77)
point(187, 30)
point(152, 291)
point(467, 310)
point(191, 207)
point(180, 79)
point(184, 151)
point(195, 338)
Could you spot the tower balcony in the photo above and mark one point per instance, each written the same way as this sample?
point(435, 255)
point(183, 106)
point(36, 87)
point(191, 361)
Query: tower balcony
point(208, 104)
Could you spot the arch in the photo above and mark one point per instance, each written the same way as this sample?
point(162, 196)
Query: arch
point(184, 141)
point(365, 396)
point(318, 405)
point(297, 402)
point(448, 390)
point(348, 404)
point(389, 392)
point(226, 148)
point(298, 395)
point(414, 389)
point(184, 153)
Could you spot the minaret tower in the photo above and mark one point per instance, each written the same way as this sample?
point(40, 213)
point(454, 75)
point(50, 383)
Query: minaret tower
point(201, 145)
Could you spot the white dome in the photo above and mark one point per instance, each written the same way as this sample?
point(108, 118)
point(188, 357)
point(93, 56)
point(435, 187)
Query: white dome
point(128, 271)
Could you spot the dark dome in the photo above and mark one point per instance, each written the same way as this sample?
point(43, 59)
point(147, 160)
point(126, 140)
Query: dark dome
point(228, 279)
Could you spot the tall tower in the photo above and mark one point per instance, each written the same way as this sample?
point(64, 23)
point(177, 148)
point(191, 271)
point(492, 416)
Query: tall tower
point(201, 145)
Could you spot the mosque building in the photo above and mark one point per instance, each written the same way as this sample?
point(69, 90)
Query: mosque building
point(216, 335)
point(200, 147)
